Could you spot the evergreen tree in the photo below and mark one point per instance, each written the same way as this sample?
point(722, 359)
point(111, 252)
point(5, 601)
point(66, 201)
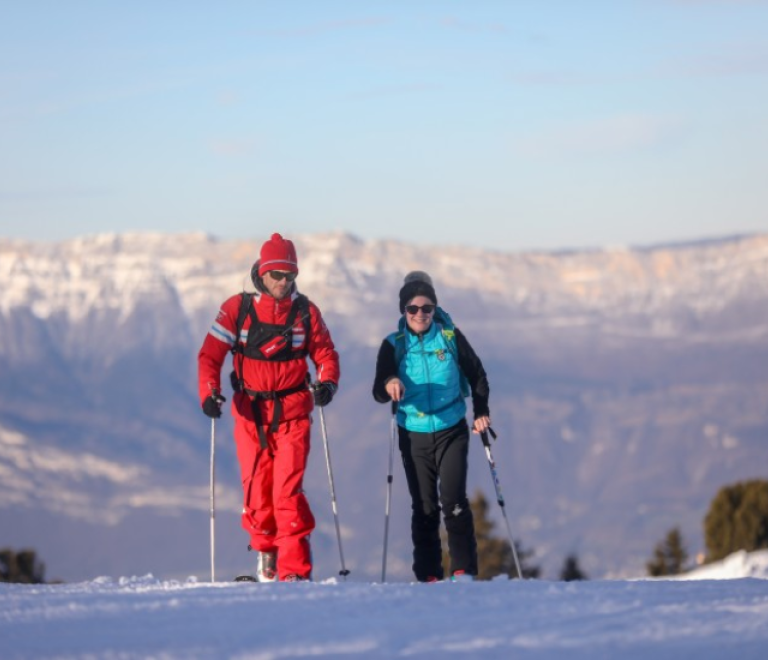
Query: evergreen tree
point(494, 553)
point(21, 566)
point(571, 570)
point(737, 519)
point(669, 556)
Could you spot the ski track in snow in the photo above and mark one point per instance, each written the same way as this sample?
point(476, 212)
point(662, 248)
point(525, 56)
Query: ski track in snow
point(148, 618)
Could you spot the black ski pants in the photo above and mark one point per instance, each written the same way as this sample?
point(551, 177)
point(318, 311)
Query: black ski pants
point(432, 462)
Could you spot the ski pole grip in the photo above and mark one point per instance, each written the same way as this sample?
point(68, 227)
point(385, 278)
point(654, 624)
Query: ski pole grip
point(492, 432)
point(216, 394)
point(394, 407)
point(484, 438)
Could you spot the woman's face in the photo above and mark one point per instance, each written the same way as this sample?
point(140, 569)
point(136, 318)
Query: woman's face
point(420, 320)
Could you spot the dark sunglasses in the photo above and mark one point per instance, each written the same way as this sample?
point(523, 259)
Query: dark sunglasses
point(413, 309)
point(277, 275)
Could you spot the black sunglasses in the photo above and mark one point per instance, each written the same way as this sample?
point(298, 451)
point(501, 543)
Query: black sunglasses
point(413, 309)
point(279, 276)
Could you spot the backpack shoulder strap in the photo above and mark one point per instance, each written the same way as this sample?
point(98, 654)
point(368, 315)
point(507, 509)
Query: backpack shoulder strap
point(302, 307)
point(398, 339)
point(445, 323)
point(246, 308)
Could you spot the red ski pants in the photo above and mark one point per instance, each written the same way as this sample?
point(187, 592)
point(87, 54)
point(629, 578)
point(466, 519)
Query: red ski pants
point(276, 513)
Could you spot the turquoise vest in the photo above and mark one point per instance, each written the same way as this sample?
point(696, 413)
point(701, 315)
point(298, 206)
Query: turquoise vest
point(429, 369)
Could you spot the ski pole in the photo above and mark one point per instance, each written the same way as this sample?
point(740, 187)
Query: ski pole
point(393, 425)
point(343, 572)
point(499, 496)
point(213, 500)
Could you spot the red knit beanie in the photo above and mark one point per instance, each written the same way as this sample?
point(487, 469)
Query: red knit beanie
point(278, 254)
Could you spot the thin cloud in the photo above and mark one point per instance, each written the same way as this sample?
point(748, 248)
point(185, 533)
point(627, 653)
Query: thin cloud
point(327, 27)
point(73, 102)
point(163, 83)
point(719, 2)
point(727, 62)
point(394, 90)
point(233, 147)
point(609, 136)
point(50, 195)
point(477, 28)
point(554, 78)
point(228, 99)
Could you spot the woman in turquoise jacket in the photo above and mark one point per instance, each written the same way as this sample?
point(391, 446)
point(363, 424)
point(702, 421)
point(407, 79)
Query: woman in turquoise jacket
point(428, 368)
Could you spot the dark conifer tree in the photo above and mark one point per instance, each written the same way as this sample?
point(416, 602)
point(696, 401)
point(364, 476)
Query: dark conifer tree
point(669, 556)
point(494, 553)
point(571, 570)
point(737, 519)
point(22, 567)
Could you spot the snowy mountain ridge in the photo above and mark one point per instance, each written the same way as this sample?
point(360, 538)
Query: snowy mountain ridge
point(661, 291)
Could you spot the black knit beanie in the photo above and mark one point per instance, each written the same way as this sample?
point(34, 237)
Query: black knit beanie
point(416, 283)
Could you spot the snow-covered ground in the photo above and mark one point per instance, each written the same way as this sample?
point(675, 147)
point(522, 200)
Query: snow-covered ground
point(720, 615)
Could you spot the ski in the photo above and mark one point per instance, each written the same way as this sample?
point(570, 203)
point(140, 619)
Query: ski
point(245, 578)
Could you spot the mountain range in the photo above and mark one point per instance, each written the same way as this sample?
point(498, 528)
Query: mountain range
point(627, 386)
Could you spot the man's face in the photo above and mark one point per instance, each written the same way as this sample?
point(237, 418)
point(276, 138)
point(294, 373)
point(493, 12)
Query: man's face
point(278, 283)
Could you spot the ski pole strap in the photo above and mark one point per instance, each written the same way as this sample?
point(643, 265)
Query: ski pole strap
point(484, 436)
point(277, 413)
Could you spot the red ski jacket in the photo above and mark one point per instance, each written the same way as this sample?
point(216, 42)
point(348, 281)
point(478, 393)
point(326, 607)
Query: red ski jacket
point(266, 375)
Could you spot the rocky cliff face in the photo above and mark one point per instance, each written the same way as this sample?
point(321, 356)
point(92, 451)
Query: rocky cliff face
point(627, 386)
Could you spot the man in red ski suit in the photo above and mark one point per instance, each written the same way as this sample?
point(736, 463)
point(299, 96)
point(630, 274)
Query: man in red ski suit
point(278, 329)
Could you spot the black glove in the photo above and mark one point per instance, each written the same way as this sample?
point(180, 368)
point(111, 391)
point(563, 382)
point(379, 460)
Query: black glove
point(234, 381)
point(212, 405)
point(323, 393)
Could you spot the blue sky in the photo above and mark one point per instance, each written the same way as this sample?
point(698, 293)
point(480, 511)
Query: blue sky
point(496, 124)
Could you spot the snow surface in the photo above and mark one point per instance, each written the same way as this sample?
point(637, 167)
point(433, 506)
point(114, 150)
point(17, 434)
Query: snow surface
point(723, 616)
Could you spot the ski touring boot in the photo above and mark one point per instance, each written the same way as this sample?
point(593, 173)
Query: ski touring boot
point(293, 577)
point(266, 567)
point(462, 576)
